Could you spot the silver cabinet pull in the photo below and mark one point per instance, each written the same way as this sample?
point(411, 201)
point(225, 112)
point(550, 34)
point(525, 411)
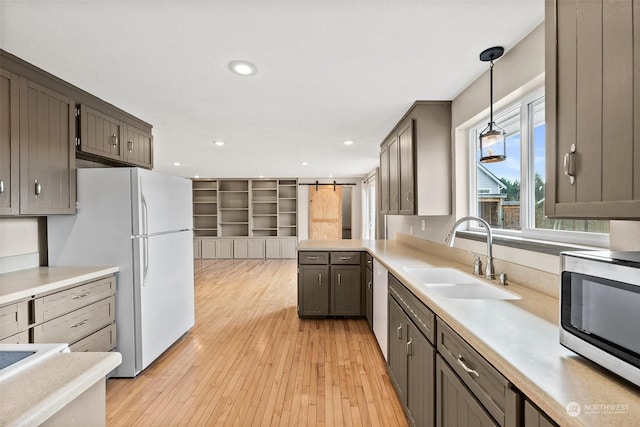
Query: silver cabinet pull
point(1, 186)
point(410, 348)
point(80, 323)
point(345, 258)
point(369, 284)
point(467, 369)
point(37, 188)
point(319, 279)
point(570, 164)
point(85, 294)
point(130, 145)
point(339, 279)
point(114, 140)
point(399, 332)
point(313, 258)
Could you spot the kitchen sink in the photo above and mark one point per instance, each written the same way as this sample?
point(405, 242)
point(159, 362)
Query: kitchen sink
point(15, 358)
point(452, 283)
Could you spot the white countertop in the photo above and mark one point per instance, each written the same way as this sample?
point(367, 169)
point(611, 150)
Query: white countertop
point(22, 284)
point(518, 337)
point(34, 395)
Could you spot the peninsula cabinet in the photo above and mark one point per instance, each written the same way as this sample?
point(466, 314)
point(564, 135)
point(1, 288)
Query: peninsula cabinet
point(592, 103)
point(415, 155)
point(329, 284)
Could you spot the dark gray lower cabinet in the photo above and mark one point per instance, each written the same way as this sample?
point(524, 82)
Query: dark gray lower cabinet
point(397, 354)
point(345, 290)
point(455, 405)
point(368, 298)
point(533, 417)
point(411, 365)
point(313, 290)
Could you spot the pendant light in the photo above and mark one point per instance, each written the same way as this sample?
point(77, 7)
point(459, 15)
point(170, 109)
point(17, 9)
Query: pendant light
point(492, 136)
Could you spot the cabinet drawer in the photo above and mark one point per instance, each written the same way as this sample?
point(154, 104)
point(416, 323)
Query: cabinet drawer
point(13, 319)
point(345, 258)
point(76, 325)
point(313, 257)
point(424, 318)
point(54, 305)
point(19, 338)
point(484, 381)
point(102, 340)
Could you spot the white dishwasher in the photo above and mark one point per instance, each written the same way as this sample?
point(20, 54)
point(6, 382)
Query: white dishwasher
point(380, 307)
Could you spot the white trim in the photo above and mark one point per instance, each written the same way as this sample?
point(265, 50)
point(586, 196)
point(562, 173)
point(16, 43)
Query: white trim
point(527, 163)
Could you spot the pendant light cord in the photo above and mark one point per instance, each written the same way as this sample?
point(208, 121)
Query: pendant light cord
point(491, 94)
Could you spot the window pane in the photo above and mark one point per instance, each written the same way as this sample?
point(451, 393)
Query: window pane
point(498, 184)
point(536, 112)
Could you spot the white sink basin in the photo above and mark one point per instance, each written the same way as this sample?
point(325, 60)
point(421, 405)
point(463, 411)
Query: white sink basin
point(452, 283)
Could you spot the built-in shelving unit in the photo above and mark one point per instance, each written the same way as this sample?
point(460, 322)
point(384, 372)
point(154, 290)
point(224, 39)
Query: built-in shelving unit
point(205, 208)
point(245, 218)
point(287, 207)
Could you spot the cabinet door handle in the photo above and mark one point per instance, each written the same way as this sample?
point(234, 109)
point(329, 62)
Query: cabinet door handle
point(345, 258)
point(399, 332)
point(410, 348)
point(313, 258)
point(1, 186)
point(114, 140)
point(80, 323)
point(319, 279)
point(369, 284)
point(339, 279)
point(467, 369)
point(37, 188)
point(570, 164)
point(130, 145)
point(85, 294)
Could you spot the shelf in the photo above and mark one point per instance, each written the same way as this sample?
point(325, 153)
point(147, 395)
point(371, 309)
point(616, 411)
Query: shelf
point(234, 223)
point(205, 215)
point(234, 209)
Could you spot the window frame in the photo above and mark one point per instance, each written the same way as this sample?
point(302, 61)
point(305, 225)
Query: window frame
point(527, 169)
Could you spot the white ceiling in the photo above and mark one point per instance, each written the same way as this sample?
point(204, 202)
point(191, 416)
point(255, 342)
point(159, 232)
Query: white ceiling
point(327, 71)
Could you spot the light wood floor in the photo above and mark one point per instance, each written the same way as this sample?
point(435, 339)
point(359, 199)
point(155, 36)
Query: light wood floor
point(250, 361)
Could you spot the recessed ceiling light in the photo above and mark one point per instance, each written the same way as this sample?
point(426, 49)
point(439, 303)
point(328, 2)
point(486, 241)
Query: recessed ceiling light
point(196, 176)
point(304, 163)
point(219, 143)
point(176, 163)
point(330, 176)
point(260, 176)
point(347, 142)
point(243, 68)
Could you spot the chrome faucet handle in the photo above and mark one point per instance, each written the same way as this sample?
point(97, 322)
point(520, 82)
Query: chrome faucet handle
point(477, 263)
point(503, 279)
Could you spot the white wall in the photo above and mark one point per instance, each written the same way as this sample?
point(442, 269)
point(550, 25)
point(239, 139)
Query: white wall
point(18, 244)
point(356, 205)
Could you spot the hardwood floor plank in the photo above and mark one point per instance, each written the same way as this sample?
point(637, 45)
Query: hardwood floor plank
point(249, 360)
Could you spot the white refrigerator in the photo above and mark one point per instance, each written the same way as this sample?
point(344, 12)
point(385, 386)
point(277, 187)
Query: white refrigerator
point(140, 221)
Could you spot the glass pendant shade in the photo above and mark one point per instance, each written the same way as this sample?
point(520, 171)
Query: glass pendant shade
point(493, 144)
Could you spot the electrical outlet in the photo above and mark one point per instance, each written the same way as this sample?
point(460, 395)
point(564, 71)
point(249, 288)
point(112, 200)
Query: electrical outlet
point(424, 225)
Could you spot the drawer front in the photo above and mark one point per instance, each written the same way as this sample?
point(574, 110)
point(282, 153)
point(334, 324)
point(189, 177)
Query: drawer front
point(20, 338)
point(13, 319)
point(102, 340)
point(345, 258)
point(313, 257)
point(369, 261)
point(59, 303)
point(486, 383)
point(424, 318)
point(76, 325)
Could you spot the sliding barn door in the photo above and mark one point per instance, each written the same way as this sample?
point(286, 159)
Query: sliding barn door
point(325, 212)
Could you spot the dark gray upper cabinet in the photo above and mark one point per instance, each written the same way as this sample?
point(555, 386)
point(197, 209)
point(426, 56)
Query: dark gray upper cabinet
point(9, 144)
point(100, 134)
point(138, 146)
point(47, 158)
point(415, 155)
point(592, 103)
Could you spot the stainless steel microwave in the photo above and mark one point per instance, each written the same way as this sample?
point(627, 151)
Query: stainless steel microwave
point(600, 309)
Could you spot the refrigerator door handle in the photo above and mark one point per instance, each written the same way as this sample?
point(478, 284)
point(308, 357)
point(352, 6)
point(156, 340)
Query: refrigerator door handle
point(145, 209)
point(145, 248)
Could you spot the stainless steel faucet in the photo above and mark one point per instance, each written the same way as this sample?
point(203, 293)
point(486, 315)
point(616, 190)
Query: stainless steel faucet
point(489, 272)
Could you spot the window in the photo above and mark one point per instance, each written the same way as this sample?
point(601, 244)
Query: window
point(509, 195)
